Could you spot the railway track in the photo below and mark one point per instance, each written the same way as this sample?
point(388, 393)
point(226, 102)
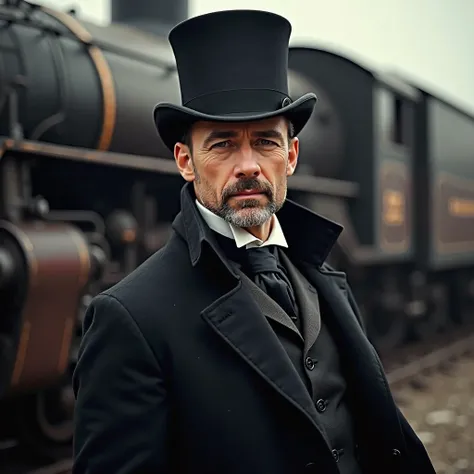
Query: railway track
point(416, 361)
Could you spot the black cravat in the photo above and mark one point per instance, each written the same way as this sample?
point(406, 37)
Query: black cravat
point(262, 266)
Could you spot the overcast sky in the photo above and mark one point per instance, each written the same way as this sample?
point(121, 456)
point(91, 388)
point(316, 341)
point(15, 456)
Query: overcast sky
point(432, 40)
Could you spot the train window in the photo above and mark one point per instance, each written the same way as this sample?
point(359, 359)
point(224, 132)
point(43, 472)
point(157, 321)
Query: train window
point(392, 117)
point(398, 122)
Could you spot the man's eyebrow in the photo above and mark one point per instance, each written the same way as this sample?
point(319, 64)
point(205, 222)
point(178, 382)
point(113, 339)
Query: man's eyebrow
point(225, 134)
point(218, 135)
point(268, 134)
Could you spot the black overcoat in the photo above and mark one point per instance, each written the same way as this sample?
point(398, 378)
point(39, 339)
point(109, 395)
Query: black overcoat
point(179, 371)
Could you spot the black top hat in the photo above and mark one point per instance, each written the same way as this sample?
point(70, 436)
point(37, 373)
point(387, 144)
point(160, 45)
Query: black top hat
point(232, 67)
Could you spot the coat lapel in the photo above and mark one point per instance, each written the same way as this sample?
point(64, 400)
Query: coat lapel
point(267, 306)
point(363, 366)
point(238, 320)
point(308, 303)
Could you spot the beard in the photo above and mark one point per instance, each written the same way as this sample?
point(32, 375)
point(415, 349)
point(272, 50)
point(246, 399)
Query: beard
point(246, 212)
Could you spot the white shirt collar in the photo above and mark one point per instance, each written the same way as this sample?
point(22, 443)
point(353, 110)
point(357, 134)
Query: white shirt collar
point(241, 236)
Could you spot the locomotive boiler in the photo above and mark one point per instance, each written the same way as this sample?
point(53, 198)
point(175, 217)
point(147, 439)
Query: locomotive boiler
point(88, 190)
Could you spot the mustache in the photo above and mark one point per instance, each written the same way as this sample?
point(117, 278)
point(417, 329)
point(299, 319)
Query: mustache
point(245, 185)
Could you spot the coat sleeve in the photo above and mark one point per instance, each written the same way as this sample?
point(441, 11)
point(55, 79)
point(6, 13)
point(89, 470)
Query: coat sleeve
point(121, 405)
point(417, 457)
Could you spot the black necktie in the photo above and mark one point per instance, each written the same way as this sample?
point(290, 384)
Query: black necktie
point(262, 266)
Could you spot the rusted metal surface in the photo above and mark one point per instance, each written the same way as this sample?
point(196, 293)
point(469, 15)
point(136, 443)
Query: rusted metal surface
point(122, 160)
point(58, 265)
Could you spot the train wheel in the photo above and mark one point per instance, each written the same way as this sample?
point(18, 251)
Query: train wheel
point(462, 298)
point(45, 422)
point(386, 330)
point(436, 317)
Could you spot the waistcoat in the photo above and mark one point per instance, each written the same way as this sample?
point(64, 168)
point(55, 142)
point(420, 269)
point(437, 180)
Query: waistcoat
point(314, 354)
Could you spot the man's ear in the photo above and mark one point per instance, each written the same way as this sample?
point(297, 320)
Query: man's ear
point(293, 151)
point(182, 156)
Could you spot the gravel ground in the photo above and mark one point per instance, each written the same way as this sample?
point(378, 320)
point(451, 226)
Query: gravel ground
point(440, 407)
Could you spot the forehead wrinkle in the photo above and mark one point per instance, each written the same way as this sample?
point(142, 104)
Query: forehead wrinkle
point(216, 131)
point(219, 134)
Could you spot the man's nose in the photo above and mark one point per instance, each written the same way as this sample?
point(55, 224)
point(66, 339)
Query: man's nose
point(247, 164)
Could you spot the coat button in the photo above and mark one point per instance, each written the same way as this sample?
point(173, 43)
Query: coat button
point(396, 453)
point(310, 363)
point(335, 455)
point(321, 405)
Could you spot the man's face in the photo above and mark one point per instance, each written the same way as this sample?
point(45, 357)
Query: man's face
point(240, 170)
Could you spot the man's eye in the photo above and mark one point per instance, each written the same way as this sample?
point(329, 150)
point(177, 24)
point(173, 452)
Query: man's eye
point(220, 144)
point(264, 142)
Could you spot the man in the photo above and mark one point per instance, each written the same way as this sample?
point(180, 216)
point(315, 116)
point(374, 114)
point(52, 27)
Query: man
point(235, 349)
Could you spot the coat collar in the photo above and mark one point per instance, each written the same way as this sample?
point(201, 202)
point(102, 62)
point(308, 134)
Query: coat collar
point(310, 236)
point(242, 237)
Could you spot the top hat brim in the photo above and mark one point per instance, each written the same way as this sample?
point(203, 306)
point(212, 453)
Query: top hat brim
point(172, 121)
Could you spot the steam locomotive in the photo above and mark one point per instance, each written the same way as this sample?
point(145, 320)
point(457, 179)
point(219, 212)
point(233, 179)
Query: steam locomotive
point(88, 192)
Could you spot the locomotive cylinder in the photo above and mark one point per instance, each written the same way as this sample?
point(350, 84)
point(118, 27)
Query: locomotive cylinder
point(51, 267)
point(82, 85)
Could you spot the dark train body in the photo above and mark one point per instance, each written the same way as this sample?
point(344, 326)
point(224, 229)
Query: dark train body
point(88, 192)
